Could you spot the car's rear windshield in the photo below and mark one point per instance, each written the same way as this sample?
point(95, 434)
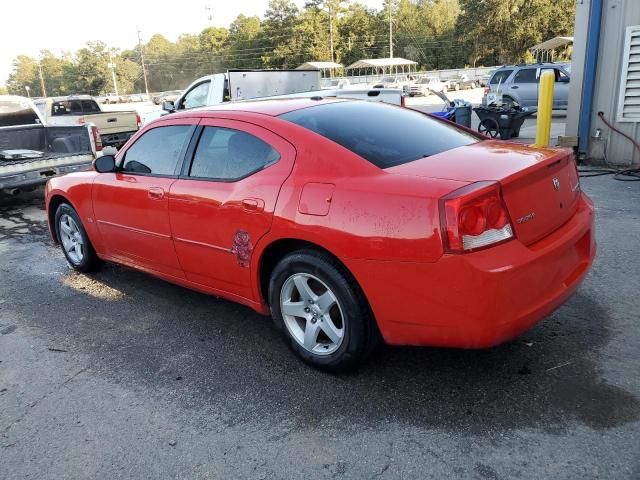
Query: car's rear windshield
point(384, 135)
point(74, 107)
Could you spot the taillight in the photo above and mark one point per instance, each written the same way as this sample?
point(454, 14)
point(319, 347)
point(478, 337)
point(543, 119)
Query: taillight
point(138, 120)
point(487, 89)
point(96, 138)
point(402, 101)
point(474, 217)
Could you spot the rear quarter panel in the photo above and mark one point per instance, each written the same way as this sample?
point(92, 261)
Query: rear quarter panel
point(373, 214)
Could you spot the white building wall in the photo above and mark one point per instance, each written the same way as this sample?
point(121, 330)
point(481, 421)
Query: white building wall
point(617, 15)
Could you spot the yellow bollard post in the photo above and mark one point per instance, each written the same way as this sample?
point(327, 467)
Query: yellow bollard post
point(545, 108)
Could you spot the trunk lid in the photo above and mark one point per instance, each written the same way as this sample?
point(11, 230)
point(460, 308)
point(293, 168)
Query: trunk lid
point(540, 186)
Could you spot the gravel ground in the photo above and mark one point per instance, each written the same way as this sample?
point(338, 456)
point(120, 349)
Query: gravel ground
point(120, 375)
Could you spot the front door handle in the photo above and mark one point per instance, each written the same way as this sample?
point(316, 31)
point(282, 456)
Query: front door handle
point(156, 193)
point(253, 204)
point(515, 87)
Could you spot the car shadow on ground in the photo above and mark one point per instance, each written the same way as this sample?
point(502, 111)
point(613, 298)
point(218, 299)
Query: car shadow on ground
point(211, 354)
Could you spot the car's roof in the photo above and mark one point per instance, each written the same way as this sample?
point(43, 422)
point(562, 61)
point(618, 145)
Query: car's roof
point(271, 107)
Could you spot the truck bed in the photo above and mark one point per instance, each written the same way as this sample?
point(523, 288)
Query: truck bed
point(63, 150)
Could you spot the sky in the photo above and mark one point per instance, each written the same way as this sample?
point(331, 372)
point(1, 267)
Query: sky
point(27, 27)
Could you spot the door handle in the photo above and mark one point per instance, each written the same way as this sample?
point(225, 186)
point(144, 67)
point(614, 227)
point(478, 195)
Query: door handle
point(253, 204)
point(515, 87)
point(156, 193)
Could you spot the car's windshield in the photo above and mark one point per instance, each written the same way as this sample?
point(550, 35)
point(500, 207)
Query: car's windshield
point(382, 134)
point(424, 80)
point(387, 79)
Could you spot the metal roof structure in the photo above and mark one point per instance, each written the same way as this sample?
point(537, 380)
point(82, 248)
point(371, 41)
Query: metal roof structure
point(544, 51)
point(382, 63)
point(319, 66)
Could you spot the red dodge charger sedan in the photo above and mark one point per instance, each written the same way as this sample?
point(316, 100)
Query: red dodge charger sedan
point(349, 222)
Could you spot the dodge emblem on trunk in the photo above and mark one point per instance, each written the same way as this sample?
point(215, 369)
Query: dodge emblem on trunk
point(556, 183)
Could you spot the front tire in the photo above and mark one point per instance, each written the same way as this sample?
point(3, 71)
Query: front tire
point(74, 241)
point(321, 311)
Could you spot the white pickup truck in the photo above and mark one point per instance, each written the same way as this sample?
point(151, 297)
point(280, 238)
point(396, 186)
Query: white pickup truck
point(115, 128)
point(31, 152)
point(240, 85)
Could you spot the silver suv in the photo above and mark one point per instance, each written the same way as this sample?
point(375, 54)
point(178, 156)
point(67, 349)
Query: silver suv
point(519, 83)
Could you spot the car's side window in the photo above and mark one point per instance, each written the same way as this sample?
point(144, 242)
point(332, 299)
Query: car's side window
point(561, 76)
point(158, 151)
point(197, 96)
point(226, 154)
point(500, 77)
point(526, 75)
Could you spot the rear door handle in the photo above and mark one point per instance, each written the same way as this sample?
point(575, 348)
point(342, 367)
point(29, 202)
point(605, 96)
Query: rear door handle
point(253, 204)
point(515, 87)
point(156, 193)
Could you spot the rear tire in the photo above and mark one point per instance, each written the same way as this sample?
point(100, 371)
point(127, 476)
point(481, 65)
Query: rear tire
point(74, 241)
point(321, 311)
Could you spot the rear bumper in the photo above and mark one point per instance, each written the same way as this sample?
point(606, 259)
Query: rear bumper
point(480, 299)
point(38, 176)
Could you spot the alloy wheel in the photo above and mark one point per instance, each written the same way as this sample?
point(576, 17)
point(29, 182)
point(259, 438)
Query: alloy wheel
point(71, 239)
point(312, 314)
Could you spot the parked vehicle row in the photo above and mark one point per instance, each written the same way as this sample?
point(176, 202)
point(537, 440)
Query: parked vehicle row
point(346, 221)
point(111, 98)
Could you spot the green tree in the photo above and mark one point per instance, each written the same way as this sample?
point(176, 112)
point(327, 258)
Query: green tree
point(362, 34)
point(280, 20)
point(24, 74)
point(501, 31)
point(244, 48)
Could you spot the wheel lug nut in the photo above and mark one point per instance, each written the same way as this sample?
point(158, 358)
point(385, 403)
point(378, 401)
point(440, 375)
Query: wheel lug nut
point(314, 320)
point(307, 309)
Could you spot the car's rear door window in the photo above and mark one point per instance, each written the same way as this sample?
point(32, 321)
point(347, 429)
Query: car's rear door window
point(382, 134)
point(500, 77)
point(526, 75)
point(158, 151)
point(228, 155)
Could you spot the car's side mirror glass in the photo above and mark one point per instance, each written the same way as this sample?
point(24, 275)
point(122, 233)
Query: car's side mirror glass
point(168, 106)
point(105, 164)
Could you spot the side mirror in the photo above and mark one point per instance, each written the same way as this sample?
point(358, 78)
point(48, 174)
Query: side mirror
point(565, 79)
point(168, 106)
point(105, 164)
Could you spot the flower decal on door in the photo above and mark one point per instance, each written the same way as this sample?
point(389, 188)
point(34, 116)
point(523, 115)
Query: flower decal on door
point(242, 248)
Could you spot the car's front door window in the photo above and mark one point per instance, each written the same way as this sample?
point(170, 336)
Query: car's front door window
point(158, 151)
point(197, 96)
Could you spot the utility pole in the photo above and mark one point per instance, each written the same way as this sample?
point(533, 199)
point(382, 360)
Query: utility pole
point(44, 90)
point(390, 30)
point(112, 66)
point(144, 69)
point(331, 31)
